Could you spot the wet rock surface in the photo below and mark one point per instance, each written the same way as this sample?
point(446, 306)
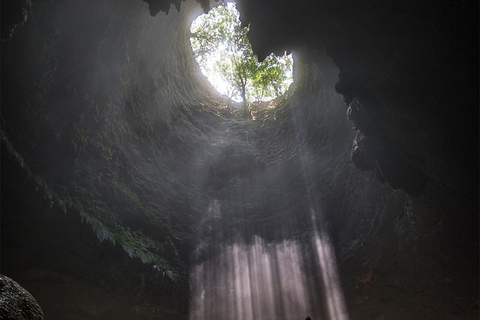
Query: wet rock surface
point(16, 302)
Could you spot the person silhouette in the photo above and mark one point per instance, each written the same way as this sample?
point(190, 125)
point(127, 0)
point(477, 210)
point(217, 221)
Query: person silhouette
point(308, 318)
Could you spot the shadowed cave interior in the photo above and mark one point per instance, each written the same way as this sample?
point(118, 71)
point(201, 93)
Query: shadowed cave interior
point(131, 189)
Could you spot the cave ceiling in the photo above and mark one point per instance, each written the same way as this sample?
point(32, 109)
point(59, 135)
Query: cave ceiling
point(123, 170)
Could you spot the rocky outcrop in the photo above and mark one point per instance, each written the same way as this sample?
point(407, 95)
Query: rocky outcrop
point(377, 45)
point(14, 14)
point(16, 303)
point(408, 66)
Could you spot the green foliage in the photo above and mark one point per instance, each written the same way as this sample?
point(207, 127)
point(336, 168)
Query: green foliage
point(222, 49)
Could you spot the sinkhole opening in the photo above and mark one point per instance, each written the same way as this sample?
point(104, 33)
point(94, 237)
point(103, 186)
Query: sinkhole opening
point(225, 56)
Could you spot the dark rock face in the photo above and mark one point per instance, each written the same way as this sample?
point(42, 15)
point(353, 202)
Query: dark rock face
point(370, 151)
point(406, 65)
point(122, 169)
point(71, 263)
point(14, 14)
point(16, 302)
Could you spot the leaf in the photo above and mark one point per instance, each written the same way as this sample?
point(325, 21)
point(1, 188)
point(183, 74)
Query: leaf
point(220, 36)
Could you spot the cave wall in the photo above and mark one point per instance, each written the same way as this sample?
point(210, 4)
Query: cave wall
point(95, 103)
point(404, 69)
point(115, 151)
point(58, 253)
point(91, 98)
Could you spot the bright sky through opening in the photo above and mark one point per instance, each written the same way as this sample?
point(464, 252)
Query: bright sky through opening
point(211, 61)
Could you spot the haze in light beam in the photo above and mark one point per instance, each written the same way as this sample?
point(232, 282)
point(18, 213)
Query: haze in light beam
point(269, 282)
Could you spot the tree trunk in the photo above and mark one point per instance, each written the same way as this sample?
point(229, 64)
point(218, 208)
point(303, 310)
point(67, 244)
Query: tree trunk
point(244, 99)
point(243, 94)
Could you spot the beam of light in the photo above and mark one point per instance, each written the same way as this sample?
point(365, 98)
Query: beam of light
point(266, 281)
point(328, 269)
point(255, 281)
point(284, 280)
point(252, 280)
point(323, 249)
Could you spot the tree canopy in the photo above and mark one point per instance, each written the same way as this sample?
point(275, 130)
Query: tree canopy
point(221, 47)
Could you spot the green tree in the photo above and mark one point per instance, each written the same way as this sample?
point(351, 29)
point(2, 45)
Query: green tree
point(221, 46)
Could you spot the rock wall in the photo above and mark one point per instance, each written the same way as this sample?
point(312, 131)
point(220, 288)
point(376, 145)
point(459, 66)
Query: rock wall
point(16, 302)
point(404, 69)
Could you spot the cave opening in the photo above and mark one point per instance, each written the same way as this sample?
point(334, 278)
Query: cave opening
point(131, 189)
point(225, 56)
